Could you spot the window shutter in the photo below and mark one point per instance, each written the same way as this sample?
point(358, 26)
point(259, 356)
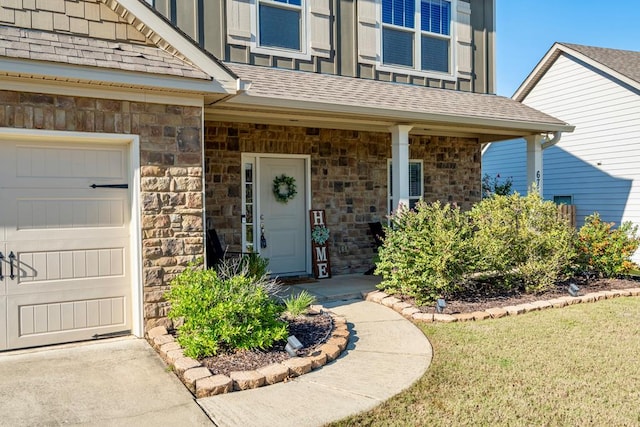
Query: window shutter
point(239, 13)
point(368, 28)
point(320, 26)
point(463, 35)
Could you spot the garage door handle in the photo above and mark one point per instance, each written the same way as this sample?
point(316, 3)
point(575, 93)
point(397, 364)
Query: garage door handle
point(1, 261)
point(12, 257)
point(109, 186)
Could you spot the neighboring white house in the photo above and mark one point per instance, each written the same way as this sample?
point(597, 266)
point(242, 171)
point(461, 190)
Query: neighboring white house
point(597, 167)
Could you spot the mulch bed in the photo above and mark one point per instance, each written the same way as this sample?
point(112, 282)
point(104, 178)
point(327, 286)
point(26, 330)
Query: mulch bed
point(311, 331)
point(478, 299)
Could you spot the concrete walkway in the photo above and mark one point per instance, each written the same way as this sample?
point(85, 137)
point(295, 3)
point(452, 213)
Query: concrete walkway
point(119, 382)
point(337, 288)
point(386, 354)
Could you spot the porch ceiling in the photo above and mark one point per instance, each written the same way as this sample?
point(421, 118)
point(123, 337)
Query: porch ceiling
point(295, 98)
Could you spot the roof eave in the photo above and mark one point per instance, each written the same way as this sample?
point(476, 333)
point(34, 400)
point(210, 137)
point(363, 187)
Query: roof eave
point(227, 80)
point(399, 116)
point(550, 57)
point(63, 71)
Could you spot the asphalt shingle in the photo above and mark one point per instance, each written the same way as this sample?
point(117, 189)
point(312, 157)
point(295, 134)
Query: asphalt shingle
point(51, 47)
point(348, 91)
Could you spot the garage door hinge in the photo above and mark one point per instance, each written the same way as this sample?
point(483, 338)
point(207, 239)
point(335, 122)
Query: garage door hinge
point(109, 186)
point(112, 334)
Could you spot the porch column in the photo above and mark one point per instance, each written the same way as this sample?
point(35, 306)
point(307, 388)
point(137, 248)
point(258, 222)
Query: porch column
point(534, 162)
point(400, 164)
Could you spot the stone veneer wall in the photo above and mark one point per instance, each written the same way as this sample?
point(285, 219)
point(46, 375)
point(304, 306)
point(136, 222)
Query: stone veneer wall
point(171, 173)
point(349, 178)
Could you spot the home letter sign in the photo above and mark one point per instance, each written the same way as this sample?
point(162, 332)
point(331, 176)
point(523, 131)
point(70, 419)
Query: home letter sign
point(320, 244)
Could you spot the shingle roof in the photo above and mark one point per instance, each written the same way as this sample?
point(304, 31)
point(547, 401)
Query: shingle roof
point(357, 92)
point(625, 62)
point(71, 49)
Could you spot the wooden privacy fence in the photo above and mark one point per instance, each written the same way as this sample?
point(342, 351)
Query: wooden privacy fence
point(568, 213)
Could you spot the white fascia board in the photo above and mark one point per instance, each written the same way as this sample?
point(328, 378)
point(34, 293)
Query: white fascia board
point(108, 75)
point(228, 81)
point(399, 116)
point(536, 74)
point(87, 90)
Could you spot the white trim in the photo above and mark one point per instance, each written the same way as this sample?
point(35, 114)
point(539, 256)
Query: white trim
point(256, 194)
point(396, 115)
point(417, 32)
point(87, 91)
point(108, 75)
point(305, 32)
point(135, 244)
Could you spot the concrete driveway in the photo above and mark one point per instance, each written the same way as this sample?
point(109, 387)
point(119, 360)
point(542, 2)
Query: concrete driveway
point(119, 382)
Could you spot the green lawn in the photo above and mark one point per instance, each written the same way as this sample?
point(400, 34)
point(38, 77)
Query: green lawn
point(574, 366)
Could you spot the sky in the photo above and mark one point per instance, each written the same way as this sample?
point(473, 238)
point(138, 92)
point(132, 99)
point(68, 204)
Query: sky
point(526, 30)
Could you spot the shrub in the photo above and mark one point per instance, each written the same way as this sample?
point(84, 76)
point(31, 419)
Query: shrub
point(223, 313)
point(605, 249)
point(249, 265)
point(298, 304)
point(493, 186)
point(426, 251)
point(522, 238)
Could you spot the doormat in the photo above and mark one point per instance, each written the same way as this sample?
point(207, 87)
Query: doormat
point(296, 280)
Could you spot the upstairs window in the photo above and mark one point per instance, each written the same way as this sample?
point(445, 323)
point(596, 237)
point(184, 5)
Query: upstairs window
point(417, 34)
point(280, 23)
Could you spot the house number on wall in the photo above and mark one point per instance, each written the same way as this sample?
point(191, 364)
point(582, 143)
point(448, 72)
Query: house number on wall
point(538, 176)
point(320, 244)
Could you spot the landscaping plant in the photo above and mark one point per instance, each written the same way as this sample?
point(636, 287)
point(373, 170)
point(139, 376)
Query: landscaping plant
point(223, 312)
point(492, 186)
point(426, 251)
point(606, 250)
point(522, 239)
point(296, 305)
point(435, 250)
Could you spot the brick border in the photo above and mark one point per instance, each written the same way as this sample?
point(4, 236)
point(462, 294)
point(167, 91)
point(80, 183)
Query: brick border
point(414, 314)
point(202, 382)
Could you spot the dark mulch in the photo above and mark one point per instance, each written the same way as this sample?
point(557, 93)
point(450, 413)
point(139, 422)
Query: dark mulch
point(478, 298)
point(311, 331)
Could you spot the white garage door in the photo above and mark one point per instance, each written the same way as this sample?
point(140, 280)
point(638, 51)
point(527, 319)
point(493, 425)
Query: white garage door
point(64, 245)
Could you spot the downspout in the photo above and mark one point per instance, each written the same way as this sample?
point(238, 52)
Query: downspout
point(550, 142)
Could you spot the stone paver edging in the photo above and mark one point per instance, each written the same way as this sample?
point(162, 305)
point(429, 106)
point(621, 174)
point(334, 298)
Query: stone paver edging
point(202, 382)
point(412, 313)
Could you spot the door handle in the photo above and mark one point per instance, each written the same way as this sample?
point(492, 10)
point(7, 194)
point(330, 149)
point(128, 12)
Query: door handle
point(12, 258)
point(1, 262)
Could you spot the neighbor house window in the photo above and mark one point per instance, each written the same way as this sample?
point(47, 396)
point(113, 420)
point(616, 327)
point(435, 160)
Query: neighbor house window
point(563, 200)
point(417, 34)
point(415, 184)
point(280, 24)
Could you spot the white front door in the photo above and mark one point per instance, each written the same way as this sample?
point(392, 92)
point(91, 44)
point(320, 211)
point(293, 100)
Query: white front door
point(283, 225)
point(65, 267)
